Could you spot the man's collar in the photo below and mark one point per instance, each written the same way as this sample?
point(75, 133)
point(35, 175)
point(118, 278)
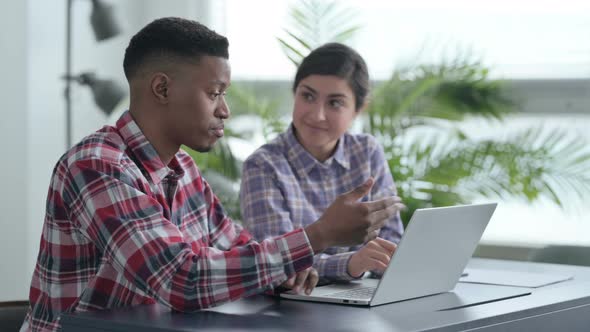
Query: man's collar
point(144, 152)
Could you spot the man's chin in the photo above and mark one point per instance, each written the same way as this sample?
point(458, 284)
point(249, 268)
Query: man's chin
point(202, 149)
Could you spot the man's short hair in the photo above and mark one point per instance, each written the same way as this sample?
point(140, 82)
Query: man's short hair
point(172, 38)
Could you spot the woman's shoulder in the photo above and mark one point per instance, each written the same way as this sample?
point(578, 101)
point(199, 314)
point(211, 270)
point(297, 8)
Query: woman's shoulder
point(360, 142)
point(271, 154)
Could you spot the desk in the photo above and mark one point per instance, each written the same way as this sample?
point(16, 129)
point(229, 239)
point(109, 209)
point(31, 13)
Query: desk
point(563, 306)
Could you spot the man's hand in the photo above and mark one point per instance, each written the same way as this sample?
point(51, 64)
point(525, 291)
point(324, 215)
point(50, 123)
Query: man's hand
point(349, 222)
point(303, 280)
point(374, 256)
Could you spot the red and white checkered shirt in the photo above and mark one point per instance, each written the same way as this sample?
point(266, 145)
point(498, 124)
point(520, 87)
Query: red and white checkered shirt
point(123, 229)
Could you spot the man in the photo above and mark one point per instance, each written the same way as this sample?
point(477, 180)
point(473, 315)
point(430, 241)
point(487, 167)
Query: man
point(131, 221)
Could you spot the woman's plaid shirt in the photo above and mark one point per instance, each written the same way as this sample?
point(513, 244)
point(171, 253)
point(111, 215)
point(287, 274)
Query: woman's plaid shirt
point(284, 188)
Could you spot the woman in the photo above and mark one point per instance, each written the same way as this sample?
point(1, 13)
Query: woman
point(289, 182)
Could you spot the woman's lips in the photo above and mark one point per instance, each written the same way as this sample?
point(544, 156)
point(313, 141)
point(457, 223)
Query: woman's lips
point(314, 128)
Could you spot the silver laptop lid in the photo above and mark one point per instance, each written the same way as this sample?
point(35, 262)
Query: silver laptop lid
point(433, 252)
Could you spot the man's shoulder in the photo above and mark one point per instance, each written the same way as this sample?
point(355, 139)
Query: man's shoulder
point(105, 145)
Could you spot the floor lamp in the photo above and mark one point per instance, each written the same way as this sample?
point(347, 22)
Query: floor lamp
point(107, 93)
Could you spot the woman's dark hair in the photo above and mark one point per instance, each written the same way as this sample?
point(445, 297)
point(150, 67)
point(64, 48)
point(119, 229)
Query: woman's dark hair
point(341, 61)
point(172, 38)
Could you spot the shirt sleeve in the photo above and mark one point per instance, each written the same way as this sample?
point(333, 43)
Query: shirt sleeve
point(265, 214)
point(129, 228)
point(335, 266)
point(262, 202)
point(384, 187)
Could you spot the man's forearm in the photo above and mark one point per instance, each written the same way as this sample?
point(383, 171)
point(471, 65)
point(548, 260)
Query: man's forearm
point(316, 238)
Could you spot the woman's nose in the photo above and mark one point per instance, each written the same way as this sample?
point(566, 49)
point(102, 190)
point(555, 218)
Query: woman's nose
point(319, 113)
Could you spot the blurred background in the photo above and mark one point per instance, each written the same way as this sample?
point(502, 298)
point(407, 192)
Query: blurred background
point(472, 101)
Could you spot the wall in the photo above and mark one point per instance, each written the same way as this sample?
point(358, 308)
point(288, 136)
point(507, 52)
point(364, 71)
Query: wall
point(13, 128)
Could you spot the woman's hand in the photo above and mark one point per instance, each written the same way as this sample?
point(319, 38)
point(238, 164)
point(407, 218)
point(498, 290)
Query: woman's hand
point(373, 256)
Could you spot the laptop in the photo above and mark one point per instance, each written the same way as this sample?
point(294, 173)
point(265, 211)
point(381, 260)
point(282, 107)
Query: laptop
point(429, 259)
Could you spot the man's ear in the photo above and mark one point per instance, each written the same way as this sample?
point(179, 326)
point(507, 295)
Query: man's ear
point(159, 87)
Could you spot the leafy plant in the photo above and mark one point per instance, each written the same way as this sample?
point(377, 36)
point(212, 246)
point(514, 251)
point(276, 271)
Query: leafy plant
point(245, 101)
point(316, 22)
point(415, 115)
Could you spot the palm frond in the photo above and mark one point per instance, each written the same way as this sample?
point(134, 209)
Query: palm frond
point(446, 167)
point(313, 23)
point(531, 163)
point(449, 91)
point(294, 55)
point(246, 102)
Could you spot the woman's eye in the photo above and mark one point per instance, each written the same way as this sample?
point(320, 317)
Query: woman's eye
point(336, 103)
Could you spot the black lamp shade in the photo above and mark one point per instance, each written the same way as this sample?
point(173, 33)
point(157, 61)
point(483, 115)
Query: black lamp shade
point(107, 93)
point(103, 21)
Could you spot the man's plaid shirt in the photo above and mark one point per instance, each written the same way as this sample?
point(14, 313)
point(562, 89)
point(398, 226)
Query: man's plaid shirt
point(123, 229)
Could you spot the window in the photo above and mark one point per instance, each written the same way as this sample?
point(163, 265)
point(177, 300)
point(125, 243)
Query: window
point(535, 43)
point(523, 39)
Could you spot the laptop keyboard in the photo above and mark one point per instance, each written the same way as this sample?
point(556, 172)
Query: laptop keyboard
point(357, 293)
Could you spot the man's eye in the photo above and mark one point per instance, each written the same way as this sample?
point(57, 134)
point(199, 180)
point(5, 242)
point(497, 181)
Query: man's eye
point(307, 96)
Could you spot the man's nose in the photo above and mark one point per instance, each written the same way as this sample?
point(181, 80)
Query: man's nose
point(222, 110)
